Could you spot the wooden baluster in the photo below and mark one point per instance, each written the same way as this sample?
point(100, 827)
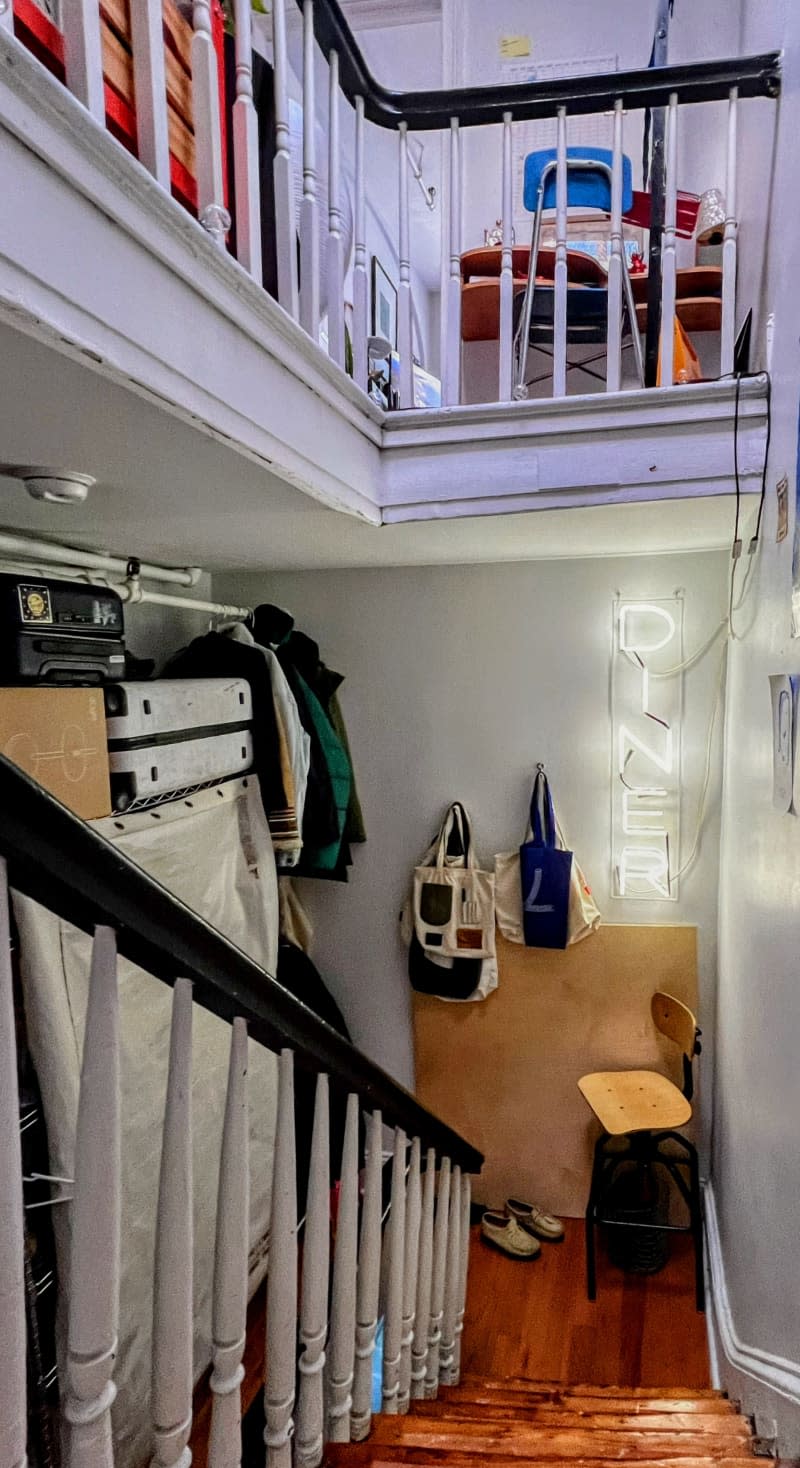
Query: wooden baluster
point(360, 290)
point(452, 1284)
point(729, 246)
point(7, 16)
point(83, 55)
point(616, 262)
point(369, 1277)
point(173, 1314)
point(211, 210)
point(668, 259)
point(309, 207)
point(507, 265)
point(247, 187)
point(342, 1339)
point(410, 1270)
point(404, 314)
point(393, 1304)
point(466, 1200)
point(150, 88)
point(282, 169)
point(13, 1380)
point(309, 1436)
point(451, 367)
point(229, 1324)
point(282, 1278)
point(419, 1350)
point(437, 1280)
point(560, 278)
point(335, 292)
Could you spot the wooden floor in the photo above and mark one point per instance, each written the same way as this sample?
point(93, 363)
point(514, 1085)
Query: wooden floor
point(532, 1319)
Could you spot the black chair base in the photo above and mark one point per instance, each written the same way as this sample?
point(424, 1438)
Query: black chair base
point(645, 1150)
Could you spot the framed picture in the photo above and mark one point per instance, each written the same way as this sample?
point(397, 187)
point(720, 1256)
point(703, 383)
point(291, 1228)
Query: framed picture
point(384, 304)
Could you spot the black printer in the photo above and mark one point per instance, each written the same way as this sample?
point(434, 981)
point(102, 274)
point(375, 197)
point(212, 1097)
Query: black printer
point(59, 632)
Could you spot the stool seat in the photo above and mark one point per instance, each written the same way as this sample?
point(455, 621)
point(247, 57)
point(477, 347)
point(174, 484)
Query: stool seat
point(634, 1101)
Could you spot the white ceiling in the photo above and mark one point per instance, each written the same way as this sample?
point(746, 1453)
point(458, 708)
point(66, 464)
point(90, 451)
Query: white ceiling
point(166, 491)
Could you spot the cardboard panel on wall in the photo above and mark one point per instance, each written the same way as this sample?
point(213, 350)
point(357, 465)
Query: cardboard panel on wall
point(504, 1072)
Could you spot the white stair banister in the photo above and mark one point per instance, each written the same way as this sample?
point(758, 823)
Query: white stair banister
point(7, 24)
point(335, 271)
point(83, 55)
point(282, 169)
point(13, 1379)
point(419, 1350)
point(173, 1323)
point(410, 1269)
point(438, 1279)
point(452, 364)
point(369, 1278)
point(279, 1385)
point(452, 1284)
point(616, 262)
point(211, 210)
point(668, 258)
point(560, 278)
point(394, 1245)
point(466, 1202)
point(309, 205)
point(507, 264)
point(229, 1323)
point(310, 1428)
point(360, 289)
point(247, 186)
point(404, 310)
point(150, 88)
point(342, 1336)
point(729, 244)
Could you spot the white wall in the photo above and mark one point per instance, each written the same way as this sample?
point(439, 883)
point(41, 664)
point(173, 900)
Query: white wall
point(458, 679)
point(157, 632)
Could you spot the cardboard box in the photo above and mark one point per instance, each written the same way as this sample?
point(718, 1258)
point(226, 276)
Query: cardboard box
point(58, 735)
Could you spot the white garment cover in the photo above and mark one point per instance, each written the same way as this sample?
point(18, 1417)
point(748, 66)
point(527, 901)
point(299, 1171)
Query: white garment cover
point(216, 854)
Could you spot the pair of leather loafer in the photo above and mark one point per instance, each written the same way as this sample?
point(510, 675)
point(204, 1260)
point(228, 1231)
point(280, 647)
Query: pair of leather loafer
point(517, 1230)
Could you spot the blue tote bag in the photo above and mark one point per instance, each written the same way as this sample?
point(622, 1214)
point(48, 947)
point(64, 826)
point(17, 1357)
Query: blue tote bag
point(545, 872)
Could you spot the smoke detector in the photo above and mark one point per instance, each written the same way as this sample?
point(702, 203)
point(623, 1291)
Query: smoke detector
point(56, 486)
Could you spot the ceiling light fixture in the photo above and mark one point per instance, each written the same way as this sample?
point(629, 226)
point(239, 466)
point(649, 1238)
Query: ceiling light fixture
point(55, 486)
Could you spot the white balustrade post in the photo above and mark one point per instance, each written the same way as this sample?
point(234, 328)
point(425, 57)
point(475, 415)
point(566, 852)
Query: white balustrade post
point(404, 313)
point(279, 1384)
point(729, 245)
point(393, 1278)
point(451, 367)
point(668, 256)
point(507, 266)
point(285, 242)
point(360, 289)
point(335, 272)
point(466, 1200)
point(438, 1280)
point(560, 278)
point(419, 1350)
point(211, 211)
point(342, 1338)
point(616, 262)
point(410, 1270)
point(247, 187)
point(7, 15)
point(310, 1430)
point(83, 55)
point(369, 1278)
point(229, 1322)
point(452, 1285)
point(150, 88)
point(309, 206)
point(173, 1322)
point(13, 1379)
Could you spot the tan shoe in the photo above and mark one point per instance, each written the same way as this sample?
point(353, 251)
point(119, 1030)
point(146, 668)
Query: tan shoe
point(506, 1234)
point(535, 1221)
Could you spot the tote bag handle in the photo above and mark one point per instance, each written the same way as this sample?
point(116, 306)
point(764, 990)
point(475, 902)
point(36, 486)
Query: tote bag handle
point(456, 816)
point(543, 816)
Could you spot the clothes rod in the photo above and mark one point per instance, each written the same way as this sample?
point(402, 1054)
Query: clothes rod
point(27, 547)
point(131, 591)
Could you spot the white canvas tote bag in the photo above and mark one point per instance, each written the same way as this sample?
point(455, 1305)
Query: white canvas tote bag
point(454, 903)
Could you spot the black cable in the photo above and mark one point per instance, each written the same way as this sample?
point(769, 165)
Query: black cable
point(737, 544)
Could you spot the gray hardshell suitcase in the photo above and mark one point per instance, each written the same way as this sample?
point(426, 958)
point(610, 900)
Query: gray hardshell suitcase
point(174, 735)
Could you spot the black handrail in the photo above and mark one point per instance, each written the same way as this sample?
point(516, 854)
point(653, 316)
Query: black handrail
point(60, 861)
point(700, 81)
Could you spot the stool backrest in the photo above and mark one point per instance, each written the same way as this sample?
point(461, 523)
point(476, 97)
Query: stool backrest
point(587, 188)
point(675, 1021)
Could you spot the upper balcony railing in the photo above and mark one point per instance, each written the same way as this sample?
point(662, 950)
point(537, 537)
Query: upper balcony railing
point(567, 320)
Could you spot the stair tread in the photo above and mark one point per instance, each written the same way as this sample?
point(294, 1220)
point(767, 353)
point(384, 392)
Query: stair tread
point(581, 1414)
point(470, 1382)
point(532, 1439)
point(375, 1455)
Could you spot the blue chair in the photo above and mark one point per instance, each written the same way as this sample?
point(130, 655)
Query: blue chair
point(589, 173)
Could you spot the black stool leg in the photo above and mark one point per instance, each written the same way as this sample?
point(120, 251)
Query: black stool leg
point(591, 1210)
point(696, 1209)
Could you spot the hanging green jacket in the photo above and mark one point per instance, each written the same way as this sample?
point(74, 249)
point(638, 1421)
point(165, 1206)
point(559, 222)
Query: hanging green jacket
point(325, 858)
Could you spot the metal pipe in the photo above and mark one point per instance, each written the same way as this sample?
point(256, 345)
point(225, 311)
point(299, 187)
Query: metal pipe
point(130, 590)
point(26, 546)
